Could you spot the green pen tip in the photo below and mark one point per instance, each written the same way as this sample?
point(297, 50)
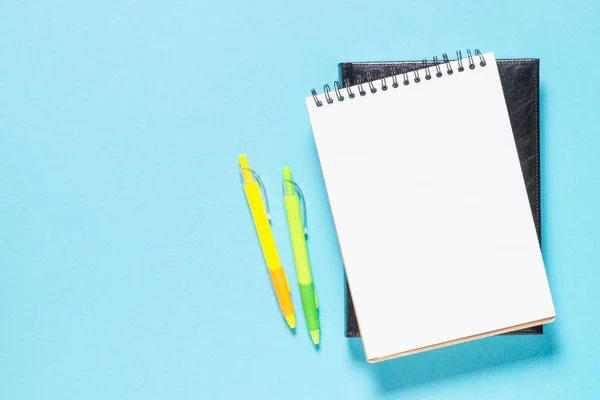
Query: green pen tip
point(315, 336)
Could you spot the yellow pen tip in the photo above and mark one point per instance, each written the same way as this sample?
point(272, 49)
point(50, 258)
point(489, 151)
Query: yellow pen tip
point(291, 320)
point(315, 335)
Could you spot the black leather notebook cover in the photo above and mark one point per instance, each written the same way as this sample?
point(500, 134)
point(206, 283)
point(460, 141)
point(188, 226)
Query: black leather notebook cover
point(520, 81)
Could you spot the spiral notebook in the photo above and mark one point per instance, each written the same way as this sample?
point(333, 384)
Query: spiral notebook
point(520, 84)
point(430, 207)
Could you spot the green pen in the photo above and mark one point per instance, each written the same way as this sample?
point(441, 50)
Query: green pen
point(296, 217)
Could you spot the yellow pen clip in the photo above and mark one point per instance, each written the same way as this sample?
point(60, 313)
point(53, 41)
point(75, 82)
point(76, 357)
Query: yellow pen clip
point(298, 191)
point(245, 174)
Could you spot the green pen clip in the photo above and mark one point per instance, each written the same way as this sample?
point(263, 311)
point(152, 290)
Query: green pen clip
point(298, 191)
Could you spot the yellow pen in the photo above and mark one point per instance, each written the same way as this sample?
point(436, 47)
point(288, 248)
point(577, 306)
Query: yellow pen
point(252, 187)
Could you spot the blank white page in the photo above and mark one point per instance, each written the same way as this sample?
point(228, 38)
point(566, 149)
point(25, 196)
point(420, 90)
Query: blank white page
point(431, 211)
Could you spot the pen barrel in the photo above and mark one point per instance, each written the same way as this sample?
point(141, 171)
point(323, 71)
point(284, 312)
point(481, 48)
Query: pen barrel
point(262, 225)
point(298, 238)
point(282, 291)
point(310, 306)
point(267, 243)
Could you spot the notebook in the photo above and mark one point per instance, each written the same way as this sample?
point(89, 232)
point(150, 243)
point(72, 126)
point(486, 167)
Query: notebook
point(520, 83)
point(430, 207)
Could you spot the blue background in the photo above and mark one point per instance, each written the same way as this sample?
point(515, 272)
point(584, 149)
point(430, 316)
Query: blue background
point(129, 267)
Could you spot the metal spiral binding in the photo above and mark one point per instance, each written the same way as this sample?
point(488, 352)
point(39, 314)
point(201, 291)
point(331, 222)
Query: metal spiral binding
point(437, 64)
